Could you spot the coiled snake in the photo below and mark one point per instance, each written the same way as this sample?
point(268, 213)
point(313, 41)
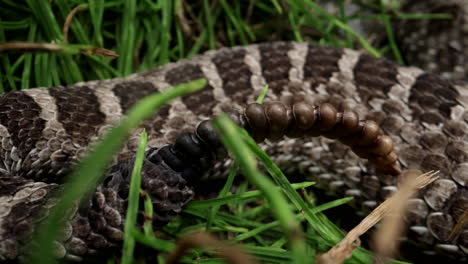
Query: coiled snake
point(44, 131)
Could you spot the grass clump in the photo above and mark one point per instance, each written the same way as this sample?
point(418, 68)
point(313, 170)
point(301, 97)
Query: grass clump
point(146, 34)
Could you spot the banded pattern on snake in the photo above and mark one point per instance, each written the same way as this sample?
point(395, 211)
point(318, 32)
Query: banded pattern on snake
point(44, 131)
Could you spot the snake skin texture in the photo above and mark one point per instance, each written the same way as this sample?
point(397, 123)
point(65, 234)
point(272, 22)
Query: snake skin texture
point(43, 132)
point(436, 45)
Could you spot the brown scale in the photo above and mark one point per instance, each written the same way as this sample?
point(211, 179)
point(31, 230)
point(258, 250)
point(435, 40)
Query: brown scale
point(273, 120)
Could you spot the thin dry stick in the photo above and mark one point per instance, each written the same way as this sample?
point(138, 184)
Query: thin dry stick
point(232, 254)
point(48, 47)
point(183, 20)
point(250, 9)
point(29, 46)
point(343, 250)
point(461, 222)
point(386, 238)
point(68, 21)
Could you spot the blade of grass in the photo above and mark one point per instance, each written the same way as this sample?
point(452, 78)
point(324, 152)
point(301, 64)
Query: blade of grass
point(25, 77)
point(148, 225)
point(277, 6)
point(126, 42)
point(222, 200)
point(133, 201)
point(235, 22)
point(344, 27)
point(279, 205)
point(165, 31)
point(6, 62)
point(209, 24)
point(96, 11)
point(222, 194)
point(154, 242)
point(45, 16)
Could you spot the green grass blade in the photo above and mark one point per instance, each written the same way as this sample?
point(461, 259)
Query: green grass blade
point(126, 45)
point(279, 205)
point(165, 31)
point(222, 194)
point(222, 200)
point(133, 201)
point(25, 77)
point(209, 24)
point(96, 10)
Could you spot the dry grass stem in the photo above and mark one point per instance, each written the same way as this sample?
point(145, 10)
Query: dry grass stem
point(343, 250)
point(184, 25)
point(30, 46)
point(393, 224)
point(100, 52)
point(231, 254)
point(49, 47)
point(461, 222)
point(69, 19)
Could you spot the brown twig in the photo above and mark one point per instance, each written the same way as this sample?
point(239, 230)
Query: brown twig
point(183, 20)
point(232, 254)
point(343, 250)
point(461, 222)
point(386, 238)
point(49, 47)
point(68, 20)
point(30, 46)
point(100, 52)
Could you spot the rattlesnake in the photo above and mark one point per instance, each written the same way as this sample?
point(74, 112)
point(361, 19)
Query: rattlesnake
point(44, 131)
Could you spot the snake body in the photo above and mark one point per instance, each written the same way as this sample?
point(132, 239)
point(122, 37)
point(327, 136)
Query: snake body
point(436, 45)
point(43, 132)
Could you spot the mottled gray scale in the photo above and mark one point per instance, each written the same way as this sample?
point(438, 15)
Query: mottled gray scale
point(78, 111)
point(22, 212)
point(435, 162)
point(457, 150)
point(376, 116)
point(439, 192)
point(235, 74)
point(454, 128)
point(434, 141)
point(392, 124)
point(436, 45)
point(459, 205)
point(440, 225)
point(417, 211)
point(275, 65)
point(431, 99)
point(321, 63)
point(20, 114)
point(463, 241)
point(392, 106)
point(374, 78)
point(370, 185)
point(157, 123)
point(431, 117)
point(131, 92)
point(200, 102)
